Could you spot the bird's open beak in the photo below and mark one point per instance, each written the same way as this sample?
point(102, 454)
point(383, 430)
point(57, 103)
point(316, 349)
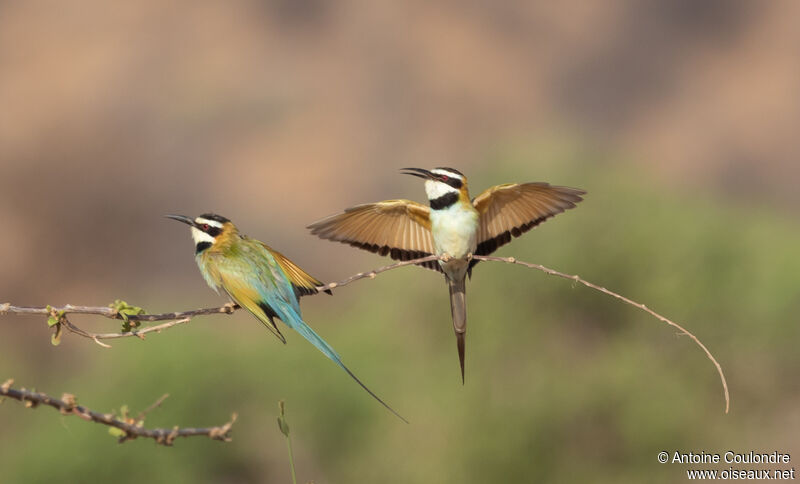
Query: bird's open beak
point(181, 218)
point(418, 172)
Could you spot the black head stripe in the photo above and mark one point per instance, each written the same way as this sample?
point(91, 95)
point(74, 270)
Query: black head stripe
point(454, 182)
point(215, 217)
point(213, 231)
point(444, 201)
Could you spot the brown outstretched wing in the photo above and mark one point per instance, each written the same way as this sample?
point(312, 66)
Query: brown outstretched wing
point(400, 229)
point(512, 209)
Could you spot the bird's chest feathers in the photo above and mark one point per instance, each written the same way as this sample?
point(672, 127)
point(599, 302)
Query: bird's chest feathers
point(219, 259)
point(208, 268)
point(455, 230)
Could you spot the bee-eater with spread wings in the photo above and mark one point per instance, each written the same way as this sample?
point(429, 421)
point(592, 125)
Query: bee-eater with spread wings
point(454, 227)
point(259, 278)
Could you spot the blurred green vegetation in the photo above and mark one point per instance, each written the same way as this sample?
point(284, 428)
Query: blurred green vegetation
point(563, 384)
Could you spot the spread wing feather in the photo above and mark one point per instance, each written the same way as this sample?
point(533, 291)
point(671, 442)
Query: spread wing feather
point(512, 209)
point(400, 229)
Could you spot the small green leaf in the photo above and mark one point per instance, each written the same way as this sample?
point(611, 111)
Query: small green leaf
point(55, 316)
point(116, 432)
point(123, 410)
point(55, 339)
point(124, 311)
point(123, 307)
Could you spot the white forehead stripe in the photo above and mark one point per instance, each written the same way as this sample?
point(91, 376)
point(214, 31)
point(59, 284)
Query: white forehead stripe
point(200, 236)
point(439, 171)
point(213, 223)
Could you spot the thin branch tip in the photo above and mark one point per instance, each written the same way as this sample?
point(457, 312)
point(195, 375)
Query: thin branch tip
point(628, 301)
point(130, 428)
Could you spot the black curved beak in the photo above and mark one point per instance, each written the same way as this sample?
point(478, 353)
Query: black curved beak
point(418, 172)
point(181, 218)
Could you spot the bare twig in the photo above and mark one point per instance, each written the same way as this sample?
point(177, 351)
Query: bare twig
point(130, 429)
point(152, 407)
point(113, 314)
point(174, 319)
point(135, 332)
point(576, 278)
point(371, 274)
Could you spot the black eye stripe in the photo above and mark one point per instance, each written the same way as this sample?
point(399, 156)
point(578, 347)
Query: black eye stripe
point(453, 182)
point(213, 231)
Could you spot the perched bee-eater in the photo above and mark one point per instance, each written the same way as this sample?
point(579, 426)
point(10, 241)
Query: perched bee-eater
point(258, 278)
point(454, 227)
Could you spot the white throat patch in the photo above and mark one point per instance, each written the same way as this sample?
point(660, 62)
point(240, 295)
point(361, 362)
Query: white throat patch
point(435, 189)
point(200, 236)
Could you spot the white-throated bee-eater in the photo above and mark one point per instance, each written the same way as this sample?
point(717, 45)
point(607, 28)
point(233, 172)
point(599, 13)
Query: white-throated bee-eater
point(453, 227)
point(259, 279)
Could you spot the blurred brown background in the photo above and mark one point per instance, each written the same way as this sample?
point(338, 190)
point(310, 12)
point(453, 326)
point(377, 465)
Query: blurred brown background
point(680, 119)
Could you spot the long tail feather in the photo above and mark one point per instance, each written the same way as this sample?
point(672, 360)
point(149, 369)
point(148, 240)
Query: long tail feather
point(294, 321)
point(460, 343)
point(458, 309)
point(274, 328)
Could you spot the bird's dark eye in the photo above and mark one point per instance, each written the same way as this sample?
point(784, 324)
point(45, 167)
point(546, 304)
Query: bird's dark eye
point(205, 227)
point(445, 178)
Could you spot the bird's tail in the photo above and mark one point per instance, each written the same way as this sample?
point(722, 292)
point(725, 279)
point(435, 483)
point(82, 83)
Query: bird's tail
point(294, 321)
point(458, 308)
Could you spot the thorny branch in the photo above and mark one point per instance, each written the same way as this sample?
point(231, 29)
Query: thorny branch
point(177, 318)
point(129, 428)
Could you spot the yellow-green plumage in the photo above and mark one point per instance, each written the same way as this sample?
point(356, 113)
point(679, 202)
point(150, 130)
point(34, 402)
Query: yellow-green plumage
point(258, 278)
